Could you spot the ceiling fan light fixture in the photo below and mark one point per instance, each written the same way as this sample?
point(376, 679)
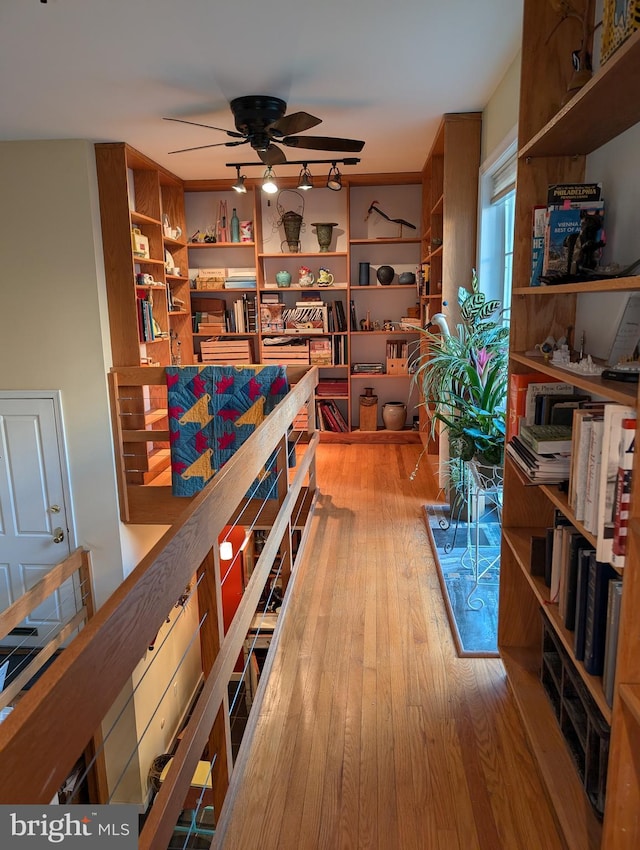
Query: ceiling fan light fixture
point(334, 180)
point(305, 180)
point(239, 184)
point(269, 184)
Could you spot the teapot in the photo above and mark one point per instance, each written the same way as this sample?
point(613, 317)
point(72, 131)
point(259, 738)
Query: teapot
point(305, 278)
point(325, 278)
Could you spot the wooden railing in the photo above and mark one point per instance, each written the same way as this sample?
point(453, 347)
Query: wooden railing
point(38, 743)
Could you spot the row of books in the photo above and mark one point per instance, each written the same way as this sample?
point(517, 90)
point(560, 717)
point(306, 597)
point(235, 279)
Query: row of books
point(588, 593)
point(329, 417)
point(594, 456)
point(567, 232)
point(148, 328)
point(397, 349)
point(601, 469)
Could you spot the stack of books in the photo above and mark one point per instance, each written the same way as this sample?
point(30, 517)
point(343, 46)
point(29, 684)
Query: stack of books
point(240, 278)
point(542, 452)
point(368, 369)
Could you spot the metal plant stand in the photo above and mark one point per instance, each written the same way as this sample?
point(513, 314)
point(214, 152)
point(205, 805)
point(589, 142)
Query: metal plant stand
point(483, 482)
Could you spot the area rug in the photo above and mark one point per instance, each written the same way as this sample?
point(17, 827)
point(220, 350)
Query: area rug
point(472, 607)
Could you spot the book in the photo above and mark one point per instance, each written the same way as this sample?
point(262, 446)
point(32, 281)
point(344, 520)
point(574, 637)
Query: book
point(536, 388)
point(517, 399)
point(547, 439)
point(565, 233)
point(580, 617)
point(592, 480)
point(341, 319)
point(622, 496)
point(600, 574)
point(559, 194)
point(547, 402)
point(614, 414)
point(576, 543)
point(611, 639)
point(582, 423)
point(538, 226)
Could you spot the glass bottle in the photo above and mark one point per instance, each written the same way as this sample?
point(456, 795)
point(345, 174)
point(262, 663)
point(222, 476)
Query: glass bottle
point(235, 227)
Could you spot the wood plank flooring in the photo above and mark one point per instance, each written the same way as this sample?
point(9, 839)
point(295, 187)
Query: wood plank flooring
point(372, 732)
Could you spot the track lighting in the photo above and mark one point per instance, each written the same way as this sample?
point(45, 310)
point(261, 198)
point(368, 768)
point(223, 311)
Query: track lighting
point(239, 184)
point(334, 180)
point(269, 184)
point(305, 180)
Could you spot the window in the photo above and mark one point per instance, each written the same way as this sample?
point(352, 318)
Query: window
point(497, 211)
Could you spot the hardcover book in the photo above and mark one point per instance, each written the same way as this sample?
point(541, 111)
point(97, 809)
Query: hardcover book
point(611, 639)
point(600, 574)
point(622, 496)
point(614, 415)
point(547, 439)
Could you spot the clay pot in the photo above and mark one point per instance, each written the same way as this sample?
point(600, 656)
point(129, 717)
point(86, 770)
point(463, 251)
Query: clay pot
point(385, 274)
point(394, 415)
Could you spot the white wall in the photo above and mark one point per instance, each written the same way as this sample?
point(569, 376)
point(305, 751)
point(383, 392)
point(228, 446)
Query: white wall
point(51, 326)
point(55, 335)
point(500, 114)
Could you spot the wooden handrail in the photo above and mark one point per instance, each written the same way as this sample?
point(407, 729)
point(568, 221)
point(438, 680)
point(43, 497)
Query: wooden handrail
point(38, 744)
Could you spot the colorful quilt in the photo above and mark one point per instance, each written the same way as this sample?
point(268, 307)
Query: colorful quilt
point(212, 411)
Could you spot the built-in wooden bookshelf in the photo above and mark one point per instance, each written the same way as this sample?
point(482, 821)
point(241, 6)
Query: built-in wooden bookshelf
point(553, 145)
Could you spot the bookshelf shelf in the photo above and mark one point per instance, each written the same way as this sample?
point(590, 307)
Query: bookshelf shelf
point(613, 390)
point(573, 130)
point(621, 284)
point(411, 240)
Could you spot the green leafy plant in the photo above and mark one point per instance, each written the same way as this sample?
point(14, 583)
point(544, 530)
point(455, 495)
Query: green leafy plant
point(462, 377)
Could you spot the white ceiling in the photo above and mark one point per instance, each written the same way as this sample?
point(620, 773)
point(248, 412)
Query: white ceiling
point(381, 71)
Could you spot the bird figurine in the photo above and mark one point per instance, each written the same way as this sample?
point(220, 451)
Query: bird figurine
point(401, 221)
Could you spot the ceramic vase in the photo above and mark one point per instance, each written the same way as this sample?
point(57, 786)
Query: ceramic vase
point(394, 415)
point(324, 232)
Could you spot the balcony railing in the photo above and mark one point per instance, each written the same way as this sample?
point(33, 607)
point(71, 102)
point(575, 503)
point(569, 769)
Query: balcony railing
point(64, 711)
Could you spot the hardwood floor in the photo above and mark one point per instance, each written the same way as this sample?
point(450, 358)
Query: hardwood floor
point(373, 733)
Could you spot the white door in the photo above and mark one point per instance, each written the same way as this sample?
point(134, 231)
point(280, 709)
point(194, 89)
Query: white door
point(34, 533)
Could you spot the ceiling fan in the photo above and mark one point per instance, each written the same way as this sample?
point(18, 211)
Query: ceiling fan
point(260, 121)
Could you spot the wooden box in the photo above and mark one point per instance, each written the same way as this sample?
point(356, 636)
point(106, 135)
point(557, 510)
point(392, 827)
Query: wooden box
point(210, 279)
point(368, 416)
point(227, 351)
point(397, 366)
point(212, 328)
point(285, 353)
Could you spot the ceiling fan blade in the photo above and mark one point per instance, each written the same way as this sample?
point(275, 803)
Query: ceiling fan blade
point(323, 143)
point(294, 123)
point(215, 145)
point(272, 155)
point(231, 133)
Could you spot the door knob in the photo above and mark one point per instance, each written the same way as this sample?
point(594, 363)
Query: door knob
point(58, 535)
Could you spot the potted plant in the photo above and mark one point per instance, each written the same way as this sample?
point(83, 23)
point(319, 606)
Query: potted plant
point(462, 377)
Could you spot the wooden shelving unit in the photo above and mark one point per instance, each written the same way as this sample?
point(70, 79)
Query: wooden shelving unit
point(553, 145)
point(449, 212)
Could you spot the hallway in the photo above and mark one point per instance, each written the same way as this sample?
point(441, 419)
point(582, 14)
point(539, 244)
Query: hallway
point(373, 733)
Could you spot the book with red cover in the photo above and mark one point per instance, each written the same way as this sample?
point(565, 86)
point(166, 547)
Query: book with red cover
point(518, 384)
